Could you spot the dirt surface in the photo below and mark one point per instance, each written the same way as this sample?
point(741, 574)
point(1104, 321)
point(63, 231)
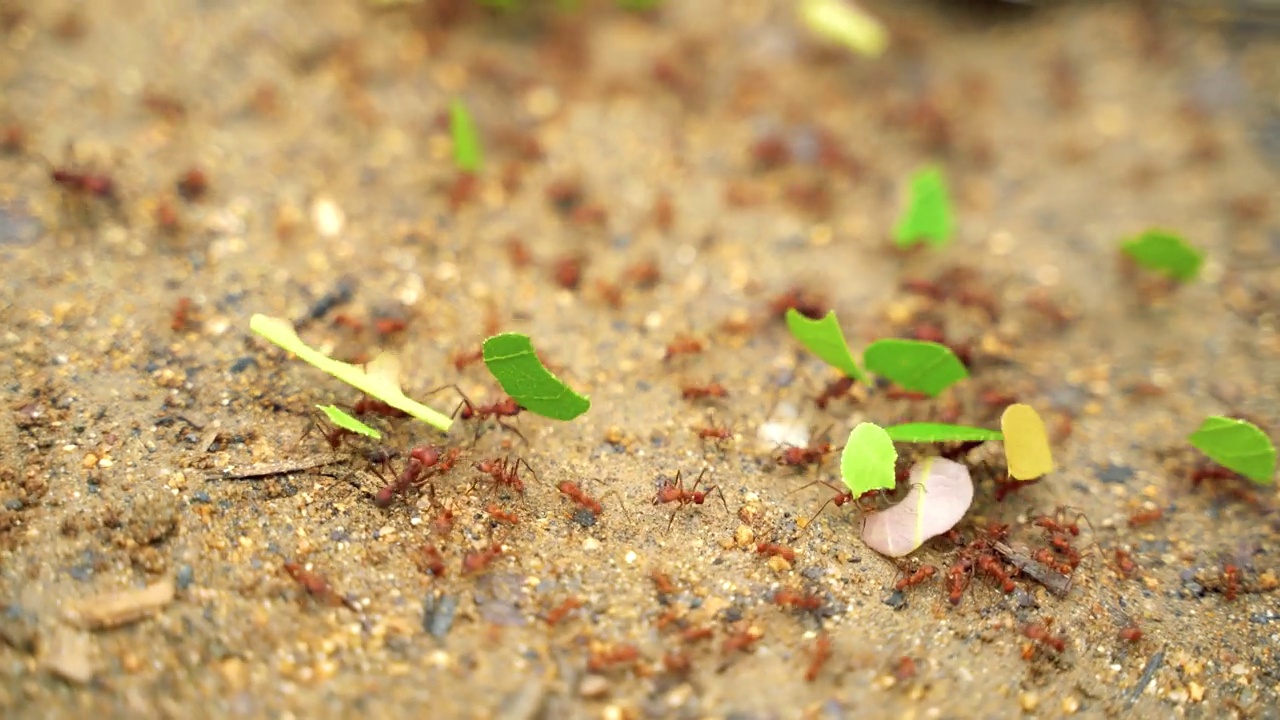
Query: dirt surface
point(714, 140)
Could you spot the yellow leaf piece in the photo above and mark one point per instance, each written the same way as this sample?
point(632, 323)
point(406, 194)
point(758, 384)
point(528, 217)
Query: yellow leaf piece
point(1026, 444)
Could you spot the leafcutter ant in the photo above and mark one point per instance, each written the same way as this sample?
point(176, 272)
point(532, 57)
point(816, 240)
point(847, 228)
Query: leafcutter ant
point(673, 491)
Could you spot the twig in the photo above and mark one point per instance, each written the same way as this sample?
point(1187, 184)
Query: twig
point(275, 468)
point(1054, 581)
point(1147, 673)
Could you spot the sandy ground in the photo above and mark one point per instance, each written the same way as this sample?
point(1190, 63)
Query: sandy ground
point(713, 140)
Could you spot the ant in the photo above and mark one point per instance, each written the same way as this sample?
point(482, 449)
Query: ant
point(559, 612)
point(801, 301)
point(505, 472)
point(814, 454)
point(821, 653)
point(420, 460)
point(478, 561)
point(797, 601)
point(182, 315)
point(699, 392)
point(958, 578)
point(580, 497)
point(429, 560)
point(1145, 517)
point(372, 406)
point(682, 345)
point(464, 358)
point(1132, 633)
point(775, 550)
point(1056, 525)
point(1039, 633)
point(915, 578)
point(613, 657)
point(502, 516)
point(1231, 581)
point(317, 586)
point(840, 499)
point(834, 390)
point(741, 641)
point(1125, 563)
point(677, 663)
point(85, 184)
point(672, 491)
point(662, 583)
point(714, 433)
point(991, 567)
point(697, 634)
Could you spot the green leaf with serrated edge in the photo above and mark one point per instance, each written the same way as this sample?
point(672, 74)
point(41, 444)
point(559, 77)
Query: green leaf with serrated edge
point(1237, 445)
point(916, 365)
point(867, 461)
point(511, 359)
point(379, 378)
point(825, 339)
point(927, 432)
point(340, 418)
point(1165, 252)
point(466, 141)
point(927, 216)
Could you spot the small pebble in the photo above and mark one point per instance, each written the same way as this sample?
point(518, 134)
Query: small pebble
point(1029, 701)
point(327, 217)
point(1070, 705)
point(593, 687)
point(744, 536)
point(1196, 690)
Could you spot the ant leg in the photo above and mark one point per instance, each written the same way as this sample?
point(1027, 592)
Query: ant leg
point(815, 482)
point(673, 517)
point(722, 500)
point(696, 482)
point(830, 500)
point(527, 466)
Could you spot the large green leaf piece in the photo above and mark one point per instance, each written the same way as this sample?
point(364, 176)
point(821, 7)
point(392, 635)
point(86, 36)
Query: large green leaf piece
point(867, 462)
point(512, 361)
point(825, 339)
point(1237, 445)
point(1165, 252)
point(916, 365)
point(927, 216)
point(466, 140)
point(929, 432)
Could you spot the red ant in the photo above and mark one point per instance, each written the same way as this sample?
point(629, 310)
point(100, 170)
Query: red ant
point(797, 601)
point(835, 389)
point(993, 568)
point(372, 406)
point(1145, 517)
point(506, 472)
point(580, 497)
point(798, 298)
point(193, 185)
point(840, 499)
point(915, 578)
point(182, 315)
point(715, 433)
point(478, 561)
point(1039, 633)
point(775, 550)
point(644, 274)
point(799, 457)
point(1125, 563)
point(559, 612)
point(958, 578)
point(741, 641)
point(896, 393)
point(821, 653)
point(662, 583)
point(682, 345)
point(1132, 633)
point(102, 187)
point(420, 460)
point(501, 515)
point(431, 561)
point(696, 634)
point(672, 491)
point(462, 359)
point(316, 586)
point(613, 657)
point(567, 272)
point(1231, 581)
point(1056, 525)
point(677, 663)
point(699, 392)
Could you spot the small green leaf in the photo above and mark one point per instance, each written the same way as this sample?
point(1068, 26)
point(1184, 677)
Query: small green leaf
point(845, 24)
point(343, 420)
point(928, 432)
point(511, 359)
point(466, 141)
point(1237, 445)
point(916, 365)
point(379, 378)
point(867, 462)
point(825, 339)
point(1165, 252)
point(927, 217)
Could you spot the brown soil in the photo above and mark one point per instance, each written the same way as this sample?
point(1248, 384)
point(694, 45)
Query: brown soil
point(715, 140)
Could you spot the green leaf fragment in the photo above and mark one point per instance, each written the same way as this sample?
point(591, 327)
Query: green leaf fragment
point(466, 141)
point(916, 365)
point(511, 359)
point(825, 339)
point(844, 23)
point(1165, 252)
point(867, 461)
point(380, 378)
point(927, 432)
point(927, 217)
point(1237, 445)
point(340, 418)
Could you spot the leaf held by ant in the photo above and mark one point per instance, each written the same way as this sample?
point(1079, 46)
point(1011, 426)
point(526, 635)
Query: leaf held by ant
point(941, 492)
point(512, 361)
point(867, 461)
point(343, 420)
point(1026, 444)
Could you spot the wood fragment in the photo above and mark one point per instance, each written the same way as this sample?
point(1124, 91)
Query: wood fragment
point(268, 469)
point(1053, 581)
point(111, 610)
point(69, 654)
